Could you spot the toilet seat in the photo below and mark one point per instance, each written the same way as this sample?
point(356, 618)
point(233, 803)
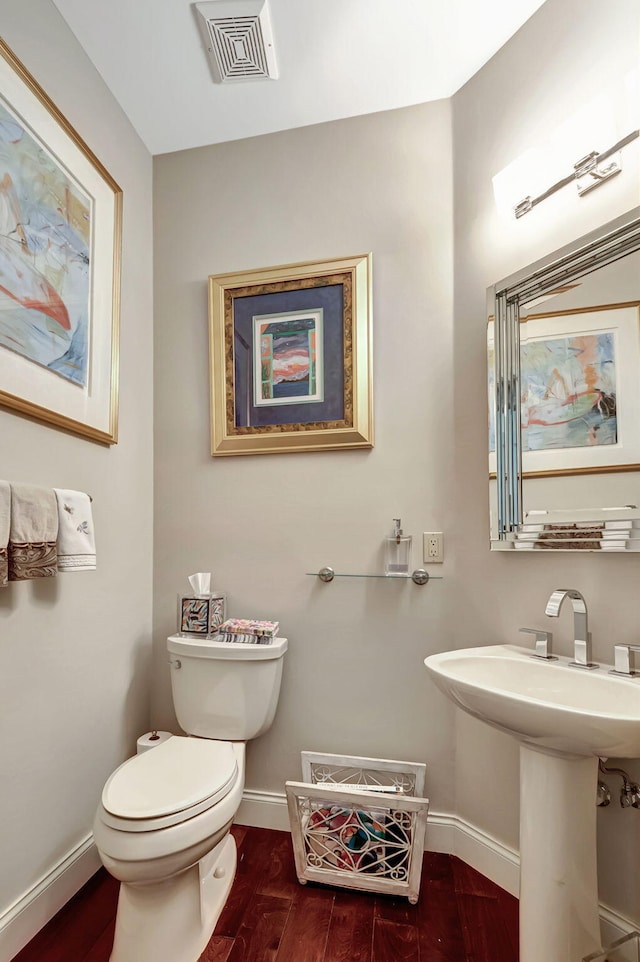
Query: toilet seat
point(175, 781)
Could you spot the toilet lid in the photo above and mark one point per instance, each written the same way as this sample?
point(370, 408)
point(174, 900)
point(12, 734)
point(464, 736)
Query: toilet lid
point(176, 775)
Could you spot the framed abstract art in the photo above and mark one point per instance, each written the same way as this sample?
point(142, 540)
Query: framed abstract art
point(60, 248)
point(579, 391)
point(290, 357)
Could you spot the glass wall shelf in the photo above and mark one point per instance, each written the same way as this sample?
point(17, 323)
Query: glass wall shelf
point(419, 577)
point(626, 949)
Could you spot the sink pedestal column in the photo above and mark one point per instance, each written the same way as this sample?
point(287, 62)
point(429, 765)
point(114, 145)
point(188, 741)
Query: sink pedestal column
point(559, 919)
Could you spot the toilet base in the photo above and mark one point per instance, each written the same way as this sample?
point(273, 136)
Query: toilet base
point(173, 920)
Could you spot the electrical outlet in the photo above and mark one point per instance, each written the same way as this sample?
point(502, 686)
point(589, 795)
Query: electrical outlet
point(433, 547)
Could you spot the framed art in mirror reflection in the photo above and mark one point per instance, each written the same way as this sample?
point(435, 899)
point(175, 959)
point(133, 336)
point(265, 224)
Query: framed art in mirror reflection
point(579, 391)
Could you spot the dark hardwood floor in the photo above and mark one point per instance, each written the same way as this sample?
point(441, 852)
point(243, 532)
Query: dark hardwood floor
point(269, 917)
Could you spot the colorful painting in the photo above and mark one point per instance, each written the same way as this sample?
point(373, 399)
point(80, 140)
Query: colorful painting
point(579, 391)
point(569, 393)
point(291, 358)
point(60, 256)
point(287, 352)
point(45, 231)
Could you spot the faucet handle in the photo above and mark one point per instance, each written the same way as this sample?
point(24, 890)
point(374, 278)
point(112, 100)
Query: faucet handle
point(543, 643)
point(624, 660)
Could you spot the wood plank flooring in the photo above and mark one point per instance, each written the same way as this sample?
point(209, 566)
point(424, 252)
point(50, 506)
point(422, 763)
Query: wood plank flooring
point(269, 917)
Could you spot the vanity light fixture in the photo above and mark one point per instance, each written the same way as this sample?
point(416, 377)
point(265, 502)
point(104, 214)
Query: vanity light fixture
point(588, 173)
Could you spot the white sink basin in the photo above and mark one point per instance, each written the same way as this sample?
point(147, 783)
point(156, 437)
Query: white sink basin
point(544, 704)
point(563, 718)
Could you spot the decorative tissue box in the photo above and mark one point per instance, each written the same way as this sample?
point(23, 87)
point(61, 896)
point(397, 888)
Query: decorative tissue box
point(200, 615)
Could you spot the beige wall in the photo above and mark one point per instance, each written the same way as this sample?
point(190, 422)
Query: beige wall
point(565, 55)
point(74, 688)
point(76, 668)
point(353, 679)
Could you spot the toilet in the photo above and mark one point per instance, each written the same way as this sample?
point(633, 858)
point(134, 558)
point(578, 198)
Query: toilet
point(162, 826)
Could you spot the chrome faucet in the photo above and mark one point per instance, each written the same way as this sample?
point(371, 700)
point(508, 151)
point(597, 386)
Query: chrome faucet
point(581, 636)
point(543, 643)
point(625, 660)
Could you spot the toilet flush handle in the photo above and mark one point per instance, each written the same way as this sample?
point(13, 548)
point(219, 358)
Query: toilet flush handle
point(175, 663)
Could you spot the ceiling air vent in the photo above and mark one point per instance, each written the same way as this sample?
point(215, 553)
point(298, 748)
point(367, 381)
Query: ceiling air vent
point(238, 38)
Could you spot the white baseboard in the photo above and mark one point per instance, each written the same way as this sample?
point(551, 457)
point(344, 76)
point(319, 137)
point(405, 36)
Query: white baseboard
point(26, 916)
point(264, 810)
point(493, 859)
point(613, 925)
point(446, 833)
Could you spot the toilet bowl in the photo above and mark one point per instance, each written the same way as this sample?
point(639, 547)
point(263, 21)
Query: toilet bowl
point(143, 847)
point(162, 825)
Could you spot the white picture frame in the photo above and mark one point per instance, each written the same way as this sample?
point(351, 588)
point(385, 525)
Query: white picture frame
point(622, 321)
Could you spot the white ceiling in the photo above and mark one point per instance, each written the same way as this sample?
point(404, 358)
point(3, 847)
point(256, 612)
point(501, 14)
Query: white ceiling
point(336, 58)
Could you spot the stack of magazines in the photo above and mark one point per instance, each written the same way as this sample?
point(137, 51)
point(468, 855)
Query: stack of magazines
point(246, 632)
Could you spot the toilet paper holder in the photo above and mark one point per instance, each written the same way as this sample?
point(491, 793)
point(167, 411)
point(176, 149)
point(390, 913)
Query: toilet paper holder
point(151, 740)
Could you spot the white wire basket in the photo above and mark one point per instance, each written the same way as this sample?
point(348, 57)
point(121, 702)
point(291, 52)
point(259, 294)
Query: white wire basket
point(359, 823)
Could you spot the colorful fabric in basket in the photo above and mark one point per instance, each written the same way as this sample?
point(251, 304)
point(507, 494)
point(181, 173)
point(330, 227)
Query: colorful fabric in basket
point(347, 839)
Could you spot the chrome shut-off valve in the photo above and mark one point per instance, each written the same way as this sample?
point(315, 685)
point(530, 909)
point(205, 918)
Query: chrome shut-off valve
point(603, 795)
point(630, 795)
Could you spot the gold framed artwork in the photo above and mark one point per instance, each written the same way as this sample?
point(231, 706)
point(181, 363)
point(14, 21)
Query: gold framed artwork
point(291, 358)
point(60, 252)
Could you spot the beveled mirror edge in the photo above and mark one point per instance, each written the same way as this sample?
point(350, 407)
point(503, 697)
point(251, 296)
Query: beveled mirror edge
point(513, 282)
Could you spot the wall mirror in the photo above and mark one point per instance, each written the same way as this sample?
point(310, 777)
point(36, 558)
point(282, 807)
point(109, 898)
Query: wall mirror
point(564, 397)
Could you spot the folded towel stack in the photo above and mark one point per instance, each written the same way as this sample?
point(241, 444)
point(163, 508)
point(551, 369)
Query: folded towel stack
point(33, 532)
point(5, 529)
point(76, 539)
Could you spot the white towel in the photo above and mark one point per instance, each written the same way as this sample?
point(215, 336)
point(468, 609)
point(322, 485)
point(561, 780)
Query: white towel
point(5, 529)
point(33, 534)
point(76, 539)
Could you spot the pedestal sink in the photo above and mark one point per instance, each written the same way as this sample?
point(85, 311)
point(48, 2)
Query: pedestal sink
point(564, 719)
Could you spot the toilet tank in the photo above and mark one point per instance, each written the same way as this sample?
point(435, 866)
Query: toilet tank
point(225, 690)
